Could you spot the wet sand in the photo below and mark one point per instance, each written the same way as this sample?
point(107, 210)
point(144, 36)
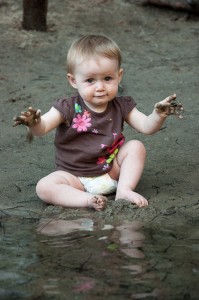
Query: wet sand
point(160, 57)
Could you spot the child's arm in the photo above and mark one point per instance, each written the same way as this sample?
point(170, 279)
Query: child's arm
point(152, 123)
point(39, 125)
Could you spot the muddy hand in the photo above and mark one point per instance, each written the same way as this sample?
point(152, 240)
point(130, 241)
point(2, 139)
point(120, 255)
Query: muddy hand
point(28, 118)
point(168, 107)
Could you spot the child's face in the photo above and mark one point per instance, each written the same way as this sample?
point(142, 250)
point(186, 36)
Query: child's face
point(97, 81)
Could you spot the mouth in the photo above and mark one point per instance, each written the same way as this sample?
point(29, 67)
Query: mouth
point(100, 96)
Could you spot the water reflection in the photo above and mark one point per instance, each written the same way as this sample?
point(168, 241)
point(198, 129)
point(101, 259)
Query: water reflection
point(131, 238)
point(132, 241)
point(61, 227)
point(125, 237)
point(79, 258)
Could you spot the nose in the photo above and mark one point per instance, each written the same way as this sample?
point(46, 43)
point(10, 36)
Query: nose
point(99, 86)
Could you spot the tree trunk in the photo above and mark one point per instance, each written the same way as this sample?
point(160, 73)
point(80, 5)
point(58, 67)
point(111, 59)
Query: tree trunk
point(34, 14)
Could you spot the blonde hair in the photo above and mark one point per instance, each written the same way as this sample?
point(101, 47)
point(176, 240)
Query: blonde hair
point(92, 46)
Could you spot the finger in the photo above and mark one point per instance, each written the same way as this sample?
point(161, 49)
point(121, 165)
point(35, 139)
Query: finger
point(31, 111)
point(171, 98)
point(18, 119)
point(25, 113)
point(17, 122)
point(178, 115)
point(21, 118)
point(38, 113)
point(159, 106)
point(34, 112)
point(180, 106)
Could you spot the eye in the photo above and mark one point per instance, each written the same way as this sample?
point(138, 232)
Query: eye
point(90, 80)
point(108, 78)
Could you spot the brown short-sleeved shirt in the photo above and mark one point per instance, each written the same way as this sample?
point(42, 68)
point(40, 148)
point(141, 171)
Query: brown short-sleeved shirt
point(87, 142)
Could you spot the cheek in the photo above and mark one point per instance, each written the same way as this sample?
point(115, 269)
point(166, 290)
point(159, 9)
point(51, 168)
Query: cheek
point(113, 87)
point(86, 91)
point(89, 89)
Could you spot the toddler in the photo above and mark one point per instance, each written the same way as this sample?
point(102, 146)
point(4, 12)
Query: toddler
point(92, 158)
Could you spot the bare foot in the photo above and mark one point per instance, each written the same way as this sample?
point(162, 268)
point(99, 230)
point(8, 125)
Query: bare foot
point(98, 202)
point(132, 197)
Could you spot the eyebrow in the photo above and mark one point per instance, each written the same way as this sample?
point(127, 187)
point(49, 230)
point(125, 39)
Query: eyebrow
point(104, 74)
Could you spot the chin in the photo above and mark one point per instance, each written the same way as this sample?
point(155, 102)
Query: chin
point(101, 103)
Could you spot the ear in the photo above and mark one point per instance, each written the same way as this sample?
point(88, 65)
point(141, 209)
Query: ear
point(121, 71)
point(72, 81)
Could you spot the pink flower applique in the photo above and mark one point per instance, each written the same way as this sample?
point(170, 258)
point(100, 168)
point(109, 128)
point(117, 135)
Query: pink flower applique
point(106, 167)
point(114, 134)
point(101, 160)
point(81, 123)
point(103, 146)
point(87, 113)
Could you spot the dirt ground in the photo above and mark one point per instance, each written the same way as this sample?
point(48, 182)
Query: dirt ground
point(160, 56)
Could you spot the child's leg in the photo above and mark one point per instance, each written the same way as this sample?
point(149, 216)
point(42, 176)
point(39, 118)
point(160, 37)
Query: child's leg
point(64, 189)
point(128, 167)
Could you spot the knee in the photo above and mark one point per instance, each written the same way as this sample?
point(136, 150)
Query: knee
point(137, 147)
point(42, 190)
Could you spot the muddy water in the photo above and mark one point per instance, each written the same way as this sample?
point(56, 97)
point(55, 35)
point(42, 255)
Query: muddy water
point(53, 258)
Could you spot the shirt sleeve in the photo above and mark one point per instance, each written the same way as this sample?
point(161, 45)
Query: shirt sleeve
point(127, 105)
point(64, 106)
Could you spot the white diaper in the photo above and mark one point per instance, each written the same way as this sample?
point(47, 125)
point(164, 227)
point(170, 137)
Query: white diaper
point(100, 185)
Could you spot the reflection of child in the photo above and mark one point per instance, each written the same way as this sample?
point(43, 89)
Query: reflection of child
point(131, 239)
point(92, 158)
